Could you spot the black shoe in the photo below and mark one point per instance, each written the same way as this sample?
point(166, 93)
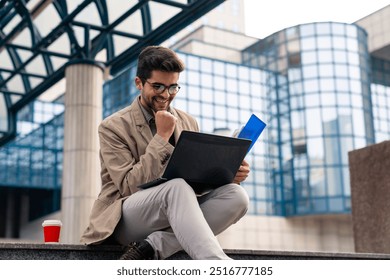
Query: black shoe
point(138, 250)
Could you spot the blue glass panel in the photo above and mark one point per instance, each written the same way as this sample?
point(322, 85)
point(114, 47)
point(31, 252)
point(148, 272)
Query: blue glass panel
point(323, 28)
point(336, 204)
point(324, 43)
point(308, 44)
point(307, 30)
point(309, 57)
point(339, 43)
point(320, 205)
point(338, 29)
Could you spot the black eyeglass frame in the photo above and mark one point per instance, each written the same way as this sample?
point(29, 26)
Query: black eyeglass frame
point(160, 88)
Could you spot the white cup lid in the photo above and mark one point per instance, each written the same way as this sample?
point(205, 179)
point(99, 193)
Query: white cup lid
point(51, 223)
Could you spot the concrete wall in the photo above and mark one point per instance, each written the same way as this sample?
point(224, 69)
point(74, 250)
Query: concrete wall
point(378, 27)
point(330, 233)
point(212, 42)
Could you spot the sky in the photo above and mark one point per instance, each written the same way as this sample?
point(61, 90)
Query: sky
point(265, 17)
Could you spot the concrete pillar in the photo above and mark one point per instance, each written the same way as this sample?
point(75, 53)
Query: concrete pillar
point(81, 168)
point(370, 197)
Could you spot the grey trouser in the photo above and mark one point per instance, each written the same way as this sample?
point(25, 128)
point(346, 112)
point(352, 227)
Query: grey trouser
point(171, 217)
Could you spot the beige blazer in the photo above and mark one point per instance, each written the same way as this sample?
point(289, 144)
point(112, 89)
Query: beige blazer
point(130, 156)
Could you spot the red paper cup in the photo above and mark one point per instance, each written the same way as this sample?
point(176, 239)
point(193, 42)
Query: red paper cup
point(51, 231)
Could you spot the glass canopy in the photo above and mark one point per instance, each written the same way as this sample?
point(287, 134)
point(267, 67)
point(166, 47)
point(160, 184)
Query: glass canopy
point(39, 37)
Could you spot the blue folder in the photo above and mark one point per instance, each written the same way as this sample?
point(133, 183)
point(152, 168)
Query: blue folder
point(252, 130)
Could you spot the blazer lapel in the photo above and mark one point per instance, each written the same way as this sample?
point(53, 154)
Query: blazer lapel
point(140, 122)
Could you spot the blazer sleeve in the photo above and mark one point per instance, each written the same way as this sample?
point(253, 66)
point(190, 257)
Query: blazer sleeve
point(124, 167)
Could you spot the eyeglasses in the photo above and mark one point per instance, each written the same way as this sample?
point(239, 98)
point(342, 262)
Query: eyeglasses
point(160, 88)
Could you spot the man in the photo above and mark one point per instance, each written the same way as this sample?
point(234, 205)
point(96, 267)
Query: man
point(135, 145)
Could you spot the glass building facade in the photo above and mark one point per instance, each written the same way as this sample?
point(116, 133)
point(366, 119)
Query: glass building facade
point(315, 85)
point(320, 108)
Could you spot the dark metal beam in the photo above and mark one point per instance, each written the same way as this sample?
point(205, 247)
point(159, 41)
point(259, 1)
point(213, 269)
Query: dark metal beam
point(172, 3)
point(11, 120)
point(42, 87)
point(2, 3)
point(106, 30)
point(146, 19)
point(51, 53)
point(9, 92)
point(194, 11)
point(60, 29)
point(62, 9)
point(127, 14)
point(17, 62)
point(24, 73)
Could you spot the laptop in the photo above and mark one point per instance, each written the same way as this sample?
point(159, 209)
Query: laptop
point(204, 161)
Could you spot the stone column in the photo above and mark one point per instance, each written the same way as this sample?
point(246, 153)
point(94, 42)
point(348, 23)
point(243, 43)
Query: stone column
point(370, 197)
point(81, 168)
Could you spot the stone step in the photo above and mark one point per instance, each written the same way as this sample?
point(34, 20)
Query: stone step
point(39, 251)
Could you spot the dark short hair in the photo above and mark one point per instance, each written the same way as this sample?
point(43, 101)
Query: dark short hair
point(158, 58)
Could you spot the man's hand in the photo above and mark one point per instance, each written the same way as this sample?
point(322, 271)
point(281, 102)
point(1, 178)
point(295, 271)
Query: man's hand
point(165, 124)
point(242, 172)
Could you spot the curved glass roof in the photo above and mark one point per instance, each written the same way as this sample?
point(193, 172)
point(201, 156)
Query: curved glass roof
point(39, 37)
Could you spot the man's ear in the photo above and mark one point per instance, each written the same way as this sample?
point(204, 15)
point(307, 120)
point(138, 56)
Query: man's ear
point(138, 83)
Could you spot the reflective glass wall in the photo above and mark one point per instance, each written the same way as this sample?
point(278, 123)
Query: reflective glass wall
point(34, 159)
point(321, 110)
point(380, 90)
point(31, 165)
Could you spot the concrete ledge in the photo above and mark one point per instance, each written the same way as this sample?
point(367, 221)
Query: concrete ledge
point(28, 251)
